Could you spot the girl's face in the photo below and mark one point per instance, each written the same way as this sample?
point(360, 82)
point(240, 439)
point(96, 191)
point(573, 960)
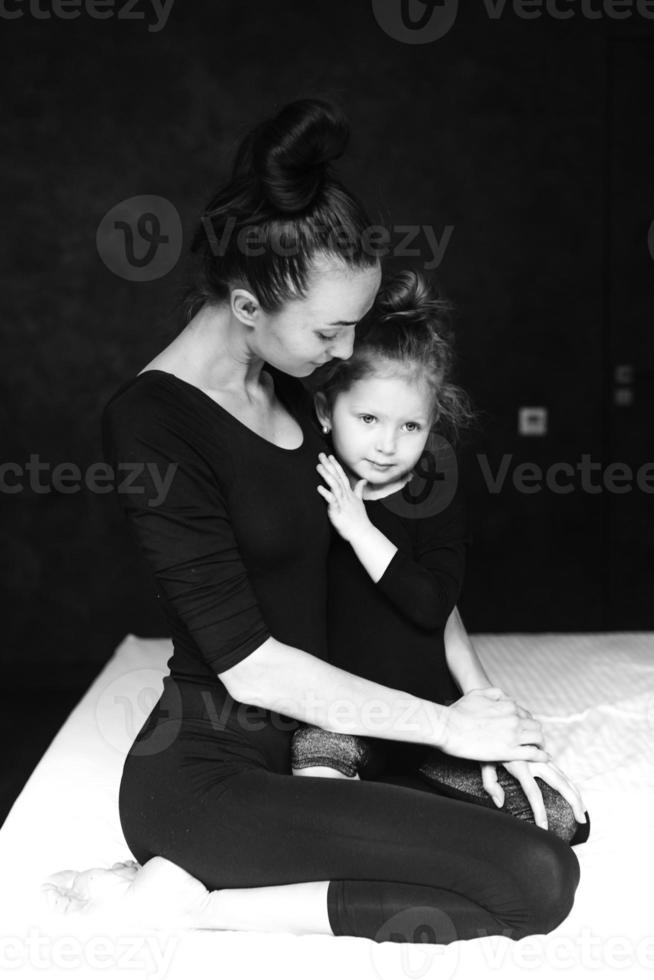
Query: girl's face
point(380, 427)
point(308, 332)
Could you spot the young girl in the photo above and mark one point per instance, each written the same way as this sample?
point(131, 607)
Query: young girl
point(396, 564)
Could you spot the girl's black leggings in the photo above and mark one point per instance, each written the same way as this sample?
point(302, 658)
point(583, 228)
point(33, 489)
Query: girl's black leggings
point(404, 864)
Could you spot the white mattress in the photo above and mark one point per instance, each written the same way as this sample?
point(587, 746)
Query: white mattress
point(595, 695)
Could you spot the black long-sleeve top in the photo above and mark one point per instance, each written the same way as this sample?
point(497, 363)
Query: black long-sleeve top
point(237, 543)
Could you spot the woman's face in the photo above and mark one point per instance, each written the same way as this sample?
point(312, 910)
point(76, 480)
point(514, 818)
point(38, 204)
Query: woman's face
point(380, 426)
point(308, 332)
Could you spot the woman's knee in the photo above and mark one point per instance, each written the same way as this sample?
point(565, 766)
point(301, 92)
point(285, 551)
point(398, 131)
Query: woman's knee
point(553, 870)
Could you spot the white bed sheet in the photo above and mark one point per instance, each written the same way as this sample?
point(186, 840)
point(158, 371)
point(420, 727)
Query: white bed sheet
point(595, 695)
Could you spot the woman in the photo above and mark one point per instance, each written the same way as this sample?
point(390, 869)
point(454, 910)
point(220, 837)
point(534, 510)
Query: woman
point(226, 835)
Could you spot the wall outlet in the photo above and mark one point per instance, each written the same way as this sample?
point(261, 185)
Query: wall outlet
point(532, 421)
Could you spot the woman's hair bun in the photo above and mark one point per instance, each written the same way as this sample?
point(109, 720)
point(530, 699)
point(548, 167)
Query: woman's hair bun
point(290, 154)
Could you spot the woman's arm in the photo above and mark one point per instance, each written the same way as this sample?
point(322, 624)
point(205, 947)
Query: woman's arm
point(200, 575)
point(481, 725)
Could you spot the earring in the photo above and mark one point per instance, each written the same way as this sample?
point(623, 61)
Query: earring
point(325, 429)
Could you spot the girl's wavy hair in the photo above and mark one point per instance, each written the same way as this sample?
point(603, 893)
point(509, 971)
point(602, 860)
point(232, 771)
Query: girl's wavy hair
point(406, 332)
point(282, 206)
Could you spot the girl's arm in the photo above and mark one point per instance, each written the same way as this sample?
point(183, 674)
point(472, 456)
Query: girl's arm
point(462, 660)
point(423, 583)
point(373, 549)
point(466, 668)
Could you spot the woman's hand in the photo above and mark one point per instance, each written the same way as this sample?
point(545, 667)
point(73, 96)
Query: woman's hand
point(523, 712)
point(487, 726)
point(346, 510)
point(525, 773)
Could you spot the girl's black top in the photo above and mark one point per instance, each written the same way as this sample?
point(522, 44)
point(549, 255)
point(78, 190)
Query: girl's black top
point(392, 631)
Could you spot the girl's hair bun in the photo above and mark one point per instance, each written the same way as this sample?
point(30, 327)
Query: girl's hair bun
point(290, 154)
point(409, 295)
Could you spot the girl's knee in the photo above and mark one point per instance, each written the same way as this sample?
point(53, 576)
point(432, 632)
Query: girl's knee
point(560, 815)
point(313, 747)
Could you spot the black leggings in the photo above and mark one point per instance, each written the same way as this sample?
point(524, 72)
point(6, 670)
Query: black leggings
point(403, 863)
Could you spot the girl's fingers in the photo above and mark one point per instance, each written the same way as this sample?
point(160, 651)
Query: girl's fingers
point(339, 472)
point(339, 469)
point(327, 470)
point(331, 464)
point(329, 497)
point(334, 470)
point(329, 477)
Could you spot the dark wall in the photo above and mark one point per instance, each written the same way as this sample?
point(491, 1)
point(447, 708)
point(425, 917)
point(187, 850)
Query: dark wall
point(531, 139)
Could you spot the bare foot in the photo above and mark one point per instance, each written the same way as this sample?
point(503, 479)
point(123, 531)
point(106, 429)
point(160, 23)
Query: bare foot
point(159, 894)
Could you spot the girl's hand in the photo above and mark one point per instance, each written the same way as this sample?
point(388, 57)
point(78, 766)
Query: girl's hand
point(525, 773)
point(346, 509)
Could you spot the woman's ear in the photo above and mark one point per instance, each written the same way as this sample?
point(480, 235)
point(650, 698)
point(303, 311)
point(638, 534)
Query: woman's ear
point(245, 306)
point(322, 411)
